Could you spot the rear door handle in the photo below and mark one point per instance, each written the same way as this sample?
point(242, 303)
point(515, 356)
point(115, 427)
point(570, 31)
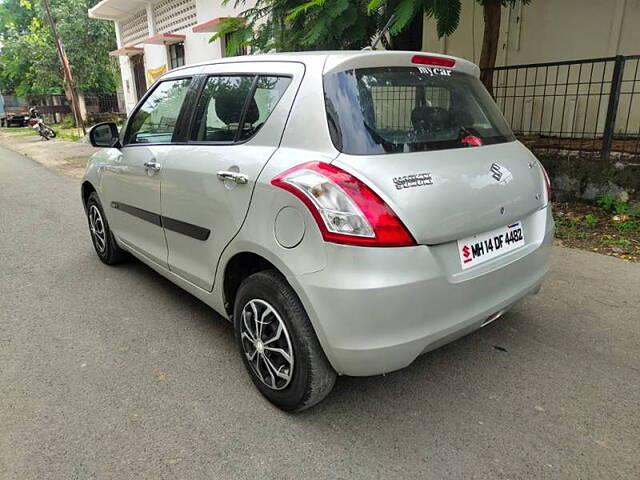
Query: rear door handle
point(152, 165)
point(239, 178)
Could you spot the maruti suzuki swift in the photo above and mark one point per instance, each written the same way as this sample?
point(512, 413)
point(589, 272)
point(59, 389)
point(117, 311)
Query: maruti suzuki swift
point(347, 211)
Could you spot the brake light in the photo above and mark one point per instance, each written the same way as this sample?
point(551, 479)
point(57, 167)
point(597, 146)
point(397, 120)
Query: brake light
point(433, 61)
point(346, 210)
point(547, 183)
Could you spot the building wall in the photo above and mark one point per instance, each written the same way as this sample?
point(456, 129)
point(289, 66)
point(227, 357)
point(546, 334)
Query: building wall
point(545, 31)
point(548, 31)
point(196, 45)
point(128, 87)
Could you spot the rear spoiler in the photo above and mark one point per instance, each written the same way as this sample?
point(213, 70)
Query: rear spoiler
point(385, 58)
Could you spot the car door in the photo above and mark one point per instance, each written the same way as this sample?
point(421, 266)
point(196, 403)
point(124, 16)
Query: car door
point(132, 184)
point(237, 124)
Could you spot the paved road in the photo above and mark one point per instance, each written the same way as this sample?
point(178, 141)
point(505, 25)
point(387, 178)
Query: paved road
point(115, 373)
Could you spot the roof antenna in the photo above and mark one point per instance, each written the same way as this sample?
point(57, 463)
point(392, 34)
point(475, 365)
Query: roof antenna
point(381, 34)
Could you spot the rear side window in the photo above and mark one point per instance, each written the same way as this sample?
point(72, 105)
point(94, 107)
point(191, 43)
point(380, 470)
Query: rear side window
point(220, 107)
point(234, 108)
point(410, 109)
point(156, 119)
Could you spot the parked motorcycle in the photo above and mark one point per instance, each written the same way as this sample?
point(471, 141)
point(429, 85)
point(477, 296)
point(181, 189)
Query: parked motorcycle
point(35, 121)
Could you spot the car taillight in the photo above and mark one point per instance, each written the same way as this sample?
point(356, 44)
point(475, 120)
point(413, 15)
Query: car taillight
point(346, 210)
point(547, 183)
point(433, 61)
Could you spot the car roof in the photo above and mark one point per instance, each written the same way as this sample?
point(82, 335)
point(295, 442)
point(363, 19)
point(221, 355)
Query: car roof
point(337, 60)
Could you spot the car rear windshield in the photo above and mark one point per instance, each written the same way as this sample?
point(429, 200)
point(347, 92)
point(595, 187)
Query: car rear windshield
point(410, 109)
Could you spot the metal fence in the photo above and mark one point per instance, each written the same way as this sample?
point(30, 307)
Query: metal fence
point(575, 108)
point(54, 107)
point(102, 103)
point(49, 104)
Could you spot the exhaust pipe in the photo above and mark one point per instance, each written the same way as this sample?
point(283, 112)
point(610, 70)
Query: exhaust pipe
point(492, 318)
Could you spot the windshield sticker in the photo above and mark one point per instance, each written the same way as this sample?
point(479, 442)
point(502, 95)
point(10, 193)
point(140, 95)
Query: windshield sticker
point(431, 71)
point(415, 180)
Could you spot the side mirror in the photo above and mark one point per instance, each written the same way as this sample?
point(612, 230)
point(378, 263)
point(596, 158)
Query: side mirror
point(104, 135)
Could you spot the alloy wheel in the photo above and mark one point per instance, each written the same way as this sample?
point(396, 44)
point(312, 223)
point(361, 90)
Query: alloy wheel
point(96, 225)
point(266, 344)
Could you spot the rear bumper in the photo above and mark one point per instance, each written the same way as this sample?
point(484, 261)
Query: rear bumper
point(376, 309)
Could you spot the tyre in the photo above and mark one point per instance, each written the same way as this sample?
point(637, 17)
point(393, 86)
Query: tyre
point(278, 345)
point(50, 132)
point(105, 245)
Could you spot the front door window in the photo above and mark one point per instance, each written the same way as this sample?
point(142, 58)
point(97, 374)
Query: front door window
point(155, 121)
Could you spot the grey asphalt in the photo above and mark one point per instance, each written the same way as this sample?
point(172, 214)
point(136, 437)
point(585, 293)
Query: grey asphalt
point(113, 372)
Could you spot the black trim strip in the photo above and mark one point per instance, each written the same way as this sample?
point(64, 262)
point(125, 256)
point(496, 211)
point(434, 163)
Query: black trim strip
point(138, 212)
point(188, 229)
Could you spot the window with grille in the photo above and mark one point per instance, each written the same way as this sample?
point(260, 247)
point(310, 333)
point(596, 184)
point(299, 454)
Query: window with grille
point(173, 15)
point(176, 55)
point(135, 28)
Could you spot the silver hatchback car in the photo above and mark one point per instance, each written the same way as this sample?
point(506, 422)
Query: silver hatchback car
point(347, 211)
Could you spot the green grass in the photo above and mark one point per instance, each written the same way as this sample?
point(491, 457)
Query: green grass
point(18, 131)
point(63, 132)
point(68, 133)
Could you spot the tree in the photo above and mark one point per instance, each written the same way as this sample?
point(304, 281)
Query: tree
point(491, 10)
point(288, 25)
point(22, 32)
point(338, 24)
point(29, 64)
point(447, 14)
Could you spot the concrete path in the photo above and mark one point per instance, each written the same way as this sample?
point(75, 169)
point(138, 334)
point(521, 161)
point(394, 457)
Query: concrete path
point(63, 156)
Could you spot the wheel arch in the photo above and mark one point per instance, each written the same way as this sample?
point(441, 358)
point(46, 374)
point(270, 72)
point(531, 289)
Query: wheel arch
point(253, 262)
point(240, 266)
point(86, 189)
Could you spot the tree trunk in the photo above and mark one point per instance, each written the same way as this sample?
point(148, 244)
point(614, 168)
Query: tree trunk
point(411, 37)
point(492, 13)
point(69, 97)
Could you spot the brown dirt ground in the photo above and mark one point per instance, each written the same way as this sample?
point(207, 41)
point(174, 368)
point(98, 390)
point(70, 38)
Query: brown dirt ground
point(588, 227)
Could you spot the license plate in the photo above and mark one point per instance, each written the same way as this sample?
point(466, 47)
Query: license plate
point(485, 246)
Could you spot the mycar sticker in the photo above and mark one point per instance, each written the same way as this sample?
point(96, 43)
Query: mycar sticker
point(485, 246)
point(431, 71)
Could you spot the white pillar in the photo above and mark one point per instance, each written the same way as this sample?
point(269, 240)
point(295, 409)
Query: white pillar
point(118, 34)
point(151, 21)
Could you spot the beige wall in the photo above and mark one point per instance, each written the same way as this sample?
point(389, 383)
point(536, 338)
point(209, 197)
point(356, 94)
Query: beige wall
point(546, 30)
